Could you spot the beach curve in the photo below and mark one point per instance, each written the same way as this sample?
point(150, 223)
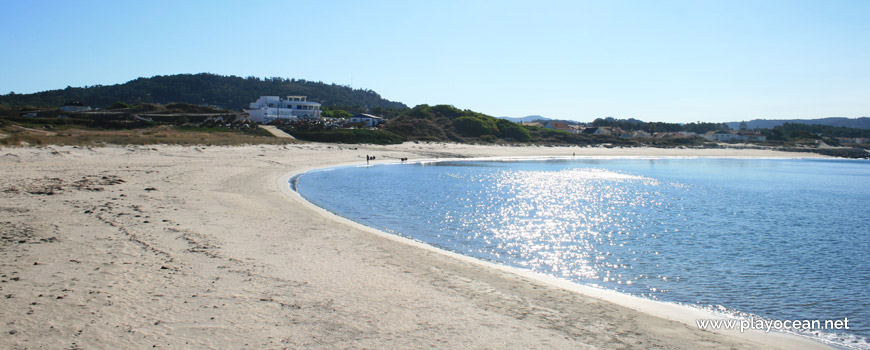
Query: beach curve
point(170, 246)
point(664, 310)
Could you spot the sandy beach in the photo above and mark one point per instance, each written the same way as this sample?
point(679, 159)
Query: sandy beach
point(206, 247)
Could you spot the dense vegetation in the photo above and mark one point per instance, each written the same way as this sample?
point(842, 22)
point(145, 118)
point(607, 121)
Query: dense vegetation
point(447, 123)
point(637, 125)
point(377, 137)
point(228, 92)
point(790, 131)
point(857, 123)
point(348, 111)
point(785, 134)
point(443, 123)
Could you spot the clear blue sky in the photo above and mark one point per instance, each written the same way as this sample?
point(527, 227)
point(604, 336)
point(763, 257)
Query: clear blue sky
point(677, 61)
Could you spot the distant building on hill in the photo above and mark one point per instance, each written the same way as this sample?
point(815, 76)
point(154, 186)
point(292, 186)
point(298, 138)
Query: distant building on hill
point(597, 131)
point(849, 140)
point(730, 135)
point(749, 135)
point(268, 109)
point(560, 126)
point(721, 135)
point(366, 120)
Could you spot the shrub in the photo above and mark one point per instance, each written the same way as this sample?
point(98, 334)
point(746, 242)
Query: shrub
point(474, 126)
point(511, 130)
point(150, 107)
point(119, 105)
point(335, 113)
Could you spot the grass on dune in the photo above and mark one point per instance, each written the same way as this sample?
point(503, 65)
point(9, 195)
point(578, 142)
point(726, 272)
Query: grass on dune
point(14, 136)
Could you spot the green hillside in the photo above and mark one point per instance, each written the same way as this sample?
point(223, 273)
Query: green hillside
point(228, 92)
point(447, 123)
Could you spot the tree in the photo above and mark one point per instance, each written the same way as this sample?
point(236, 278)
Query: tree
point(773, 135)
point(228, 92)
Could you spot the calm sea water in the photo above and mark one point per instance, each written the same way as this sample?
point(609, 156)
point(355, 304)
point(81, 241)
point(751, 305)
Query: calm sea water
point(782, 239)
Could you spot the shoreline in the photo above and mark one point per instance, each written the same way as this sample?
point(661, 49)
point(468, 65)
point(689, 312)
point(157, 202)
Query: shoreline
point(667, 310)
point(193, 246)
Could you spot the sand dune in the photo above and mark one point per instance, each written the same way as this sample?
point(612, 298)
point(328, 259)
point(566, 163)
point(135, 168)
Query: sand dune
point(201, 247)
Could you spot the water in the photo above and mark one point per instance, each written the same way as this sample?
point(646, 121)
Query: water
point(782, 239)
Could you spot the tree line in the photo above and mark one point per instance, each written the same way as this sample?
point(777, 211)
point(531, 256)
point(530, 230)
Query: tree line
point(227, 92)
point(652, 127)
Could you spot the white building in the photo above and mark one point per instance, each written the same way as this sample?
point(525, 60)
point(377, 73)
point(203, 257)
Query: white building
point(721, 135)
point(268, 109)
point(366, 120)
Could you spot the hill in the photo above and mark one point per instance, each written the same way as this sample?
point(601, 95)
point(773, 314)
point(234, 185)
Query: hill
point(857, 123)
point(530, 118)
point(228, 92)
point(447, 123)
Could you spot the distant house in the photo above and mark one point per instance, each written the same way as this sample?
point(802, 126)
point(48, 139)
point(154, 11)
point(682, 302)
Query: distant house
point(366, 120)
point(642, 134)
point(742, 135)
point(538, 124)
point(597, 131)
point(639, 134)
point(751, 135)
point(849, 140)
point(74, 106)
point(667, 134)
point(559, 126)
point(721, 135)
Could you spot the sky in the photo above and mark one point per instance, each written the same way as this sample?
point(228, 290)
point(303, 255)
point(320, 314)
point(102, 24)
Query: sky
point(667, 60)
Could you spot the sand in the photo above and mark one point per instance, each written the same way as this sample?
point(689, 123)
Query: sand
point(205, 247)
